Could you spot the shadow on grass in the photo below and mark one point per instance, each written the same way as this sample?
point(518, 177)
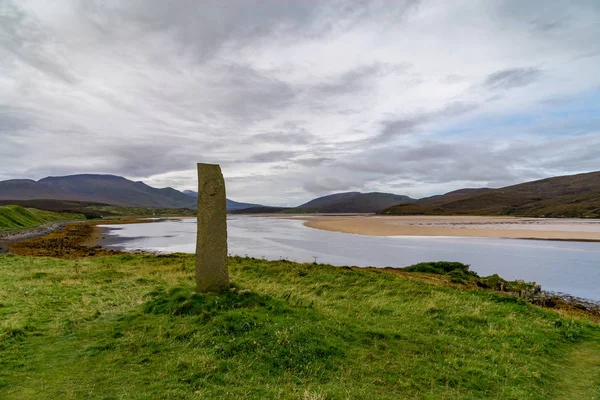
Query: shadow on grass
point(183, 301)
point(240, 324)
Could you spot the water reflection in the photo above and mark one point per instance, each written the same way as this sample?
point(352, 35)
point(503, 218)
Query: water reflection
point(570, 267)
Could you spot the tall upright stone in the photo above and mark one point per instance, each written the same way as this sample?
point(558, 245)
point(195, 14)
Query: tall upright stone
point(211, 246)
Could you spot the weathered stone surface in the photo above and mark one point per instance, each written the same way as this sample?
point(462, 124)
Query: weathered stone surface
point(211, 246)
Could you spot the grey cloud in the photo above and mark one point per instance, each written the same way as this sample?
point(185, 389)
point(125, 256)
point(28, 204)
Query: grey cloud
point(280, 137)
point(357, 79)
point(24, 37)
point(313, 162)
point(143, 160)
point(546, 26)
point(273, 156)
point(512, 78)
point(540, 16)
point(289, 132)
point(479, 161)
point(455, 108)
point(206, 25)
point(12, 120)
point(129, 160)
point(400, 127)
point(410, 125)
point(452, 79)
point(586, 55)
point(320, 185)
point(248, 93)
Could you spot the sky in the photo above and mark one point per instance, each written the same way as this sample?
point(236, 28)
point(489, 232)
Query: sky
point(297, 99)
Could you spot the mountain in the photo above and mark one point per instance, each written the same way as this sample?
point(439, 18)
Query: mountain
point(109, 189)
point(323, 201)
point(231, 205)
point(261, 210)
point(563, 196)
point(106, 189)
point(454, 195)
point(337, 203)
point(351, 202)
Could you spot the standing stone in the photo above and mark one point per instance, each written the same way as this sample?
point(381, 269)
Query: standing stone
point(211, 247)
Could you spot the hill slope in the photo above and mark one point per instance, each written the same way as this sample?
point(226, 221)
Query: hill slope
point(325, 200)
point(563, 196)
point(15, 217)
point(454, 195)
point(352, 202)
point(106, 189)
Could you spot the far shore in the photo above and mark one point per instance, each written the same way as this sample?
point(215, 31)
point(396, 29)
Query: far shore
point(565, 229)
point(471, 226)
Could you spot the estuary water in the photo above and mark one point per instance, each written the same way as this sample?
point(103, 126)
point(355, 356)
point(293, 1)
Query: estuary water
point(568, 267)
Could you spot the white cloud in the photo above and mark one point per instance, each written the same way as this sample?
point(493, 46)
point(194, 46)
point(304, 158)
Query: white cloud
point(299, 98)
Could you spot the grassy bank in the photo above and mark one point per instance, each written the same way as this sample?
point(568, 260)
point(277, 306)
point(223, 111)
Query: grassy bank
point(109, 211)
point(128, 326)
point(98, 210)
point(13, 217)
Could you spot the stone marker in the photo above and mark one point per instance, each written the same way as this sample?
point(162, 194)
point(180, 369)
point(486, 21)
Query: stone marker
point(211, 247)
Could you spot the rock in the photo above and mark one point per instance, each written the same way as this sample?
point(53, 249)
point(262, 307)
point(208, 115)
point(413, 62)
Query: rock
point(211, 247)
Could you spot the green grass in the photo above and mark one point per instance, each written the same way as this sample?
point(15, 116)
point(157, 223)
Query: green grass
point(121, 211)
point(130, 327)
point(14, 217)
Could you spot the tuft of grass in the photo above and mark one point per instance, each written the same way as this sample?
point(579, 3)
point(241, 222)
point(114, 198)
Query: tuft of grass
point(439, 267)
point(185, 301)
point(131, 326)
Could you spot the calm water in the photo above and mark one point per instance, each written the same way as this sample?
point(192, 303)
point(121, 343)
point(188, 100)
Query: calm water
point(569, 267)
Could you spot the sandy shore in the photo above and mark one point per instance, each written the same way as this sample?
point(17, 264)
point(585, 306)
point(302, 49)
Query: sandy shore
point(503, 227)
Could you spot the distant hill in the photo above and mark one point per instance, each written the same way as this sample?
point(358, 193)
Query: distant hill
point(109, 189)
point(261, 210)
point(454, 195)
point(325, 200)
point(106, 189)
point(563, 196)
point(231, 205)
point(338, 203)
point(351, 202)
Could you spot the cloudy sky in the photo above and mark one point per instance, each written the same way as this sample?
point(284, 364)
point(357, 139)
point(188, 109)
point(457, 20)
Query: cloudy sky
point(301, 98)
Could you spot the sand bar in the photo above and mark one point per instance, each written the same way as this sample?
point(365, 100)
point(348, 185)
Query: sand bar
point(502, 227)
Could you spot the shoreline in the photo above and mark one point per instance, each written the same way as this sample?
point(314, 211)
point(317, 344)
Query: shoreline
point(75, 240)
point(9, 238)
point(452, 226)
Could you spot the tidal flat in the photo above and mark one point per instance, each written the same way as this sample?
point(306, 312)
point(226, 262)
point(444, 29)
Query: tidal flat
point(469, 226)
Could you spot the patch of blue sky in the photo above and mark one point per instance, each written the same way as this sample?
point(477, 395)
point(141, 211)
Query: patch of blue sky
point(575, 115)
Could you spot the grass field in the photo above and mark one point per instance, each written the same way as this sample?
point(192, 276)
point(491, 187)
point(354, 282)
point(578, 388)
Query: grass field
point(120, 211)
point(13, 217)
point(130, 327)
point(98, 210)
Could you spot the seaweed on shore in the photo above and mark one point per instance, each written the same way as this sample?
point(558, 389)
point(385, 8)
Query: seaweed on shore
point(72, 241)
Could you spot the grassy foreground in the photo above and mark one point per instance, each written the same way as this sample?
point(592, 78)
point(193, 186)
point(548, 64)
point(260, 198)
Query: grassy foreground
point(130, 327)
point(15, 217)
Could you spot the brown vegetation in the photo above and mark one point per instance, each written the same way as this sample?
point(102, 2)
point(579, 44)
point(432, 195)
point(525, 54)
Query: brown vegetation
point(73, 241)
point(574, 196)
